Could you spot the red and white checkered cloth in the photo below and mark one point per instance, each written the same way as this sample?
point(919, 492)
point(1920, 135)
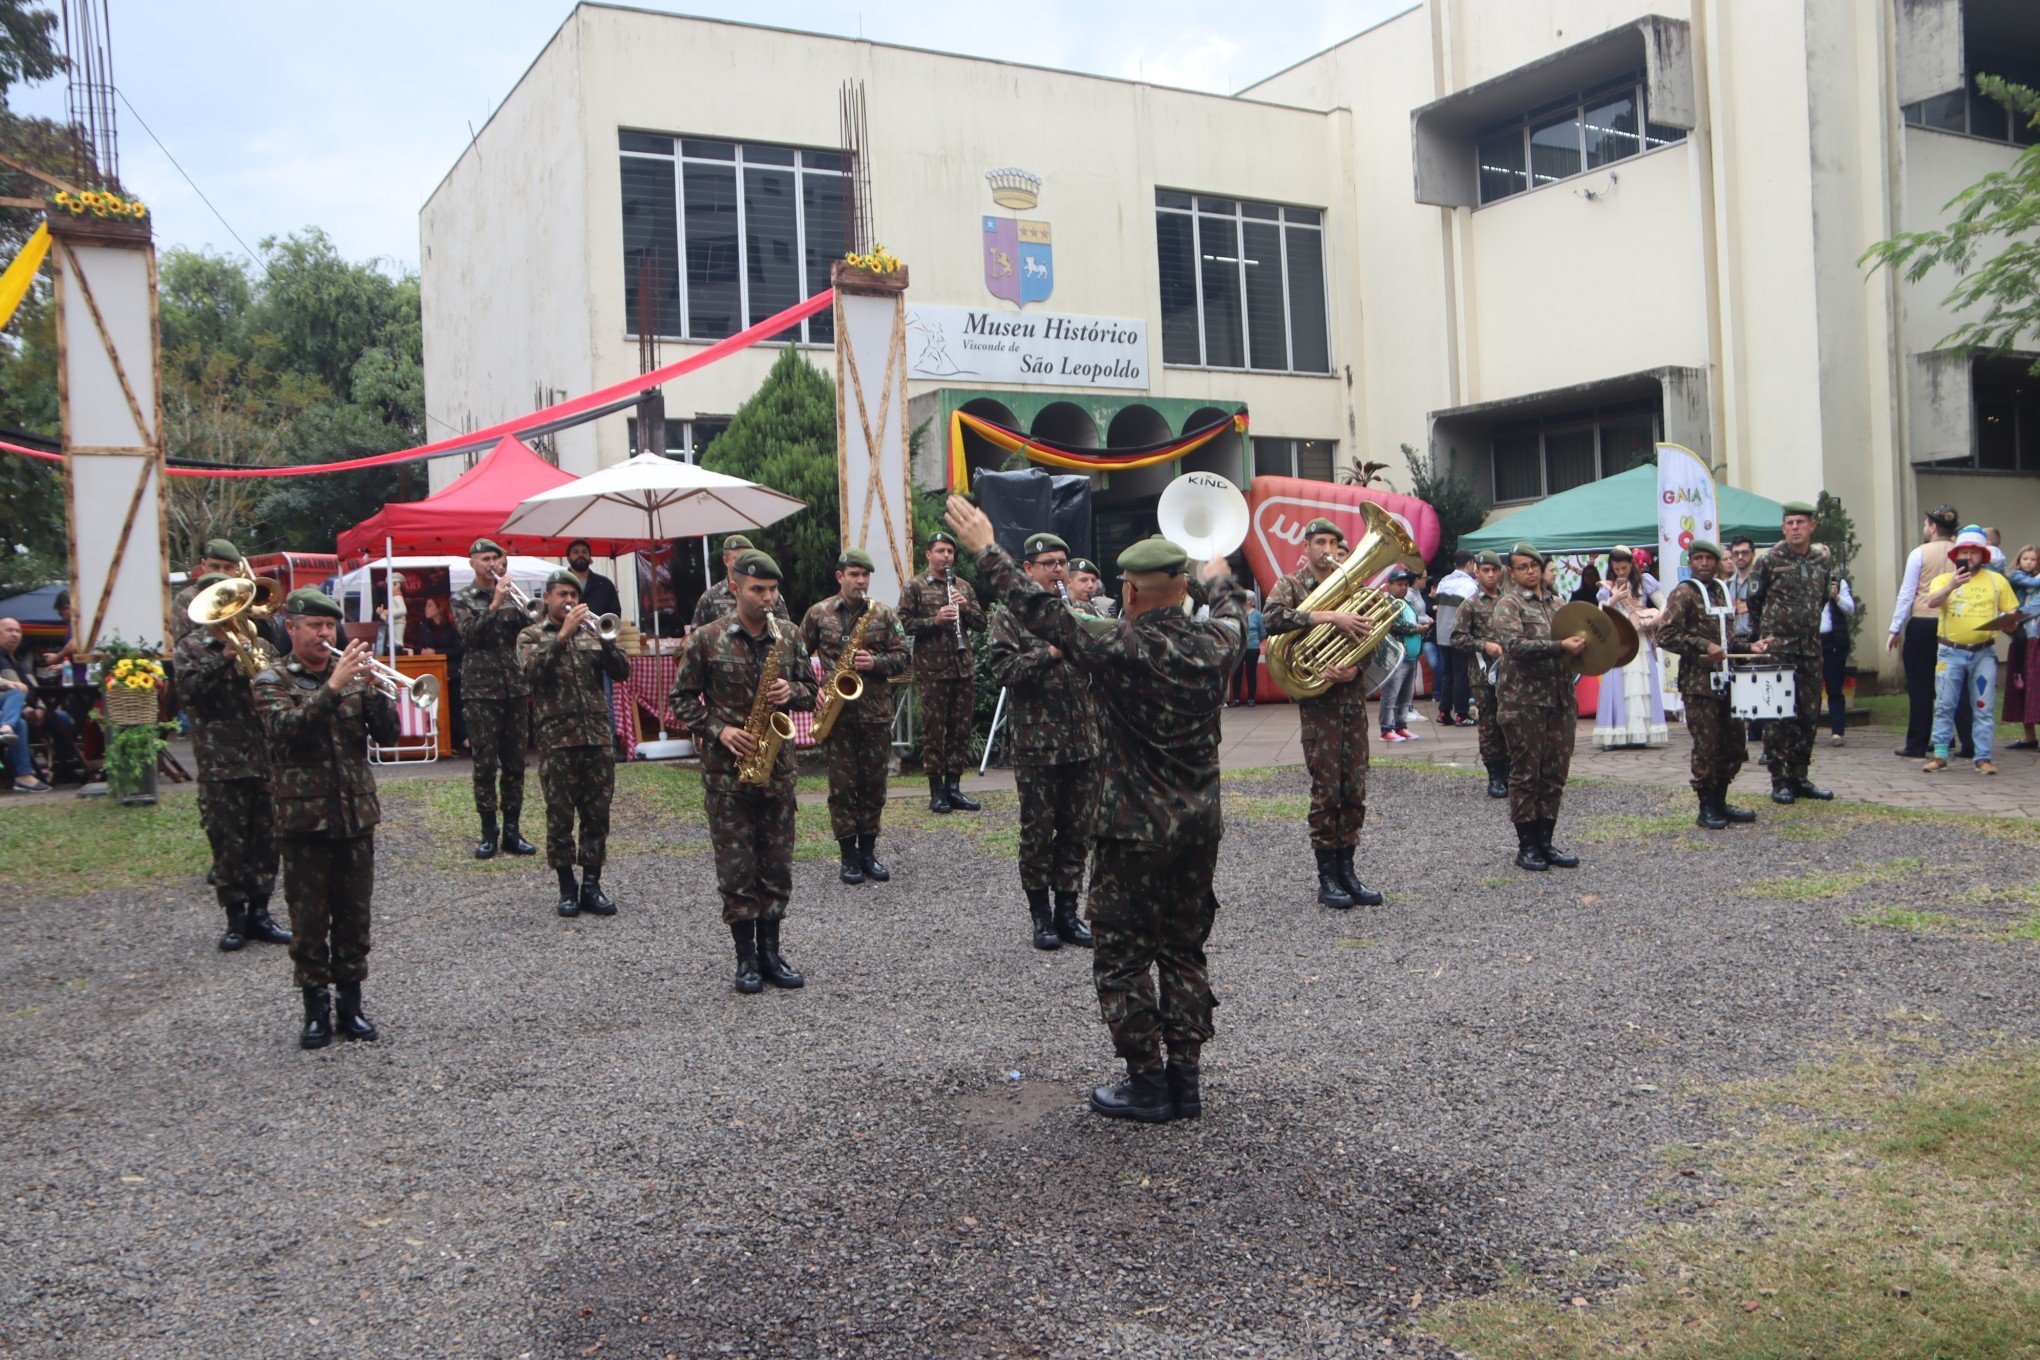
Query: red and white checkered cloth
point(651, 681)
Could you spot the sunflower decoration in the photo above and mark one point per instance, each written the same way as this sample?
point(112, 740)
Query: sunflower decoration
point(877, 260)
point(101, 203)
point(135, 672)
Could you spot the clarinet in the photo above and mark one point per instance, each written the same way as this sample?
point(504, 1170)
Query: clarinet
point(949, 584)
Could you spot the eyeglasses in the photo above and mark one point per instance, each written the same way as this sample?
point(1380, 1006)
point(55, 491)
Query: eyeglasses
point(1051, 561)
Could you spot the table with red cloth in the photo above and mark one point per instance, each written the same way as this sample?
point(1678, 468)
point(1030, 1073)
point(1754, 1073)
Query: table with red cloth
point(643, 697)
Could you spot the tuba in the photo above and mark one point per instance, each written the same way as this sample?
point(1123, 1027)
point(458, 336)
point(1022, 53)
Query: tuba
point(230, 608)
point(845, 685)
point(1298, 660)
point(770, 728)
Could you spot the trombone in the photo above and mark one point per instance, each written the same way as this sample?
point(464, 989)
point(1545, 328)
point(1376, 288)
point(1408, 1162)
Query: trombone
point(421, 690)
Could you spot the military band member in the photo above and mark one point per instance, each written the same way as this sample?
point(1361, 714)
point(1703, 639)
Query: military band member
point(1087, 588)
point(494, 697)
point(751, 825)
point(1054, 749)
point(720, 598)
point(860, 746)
point(217, 558)
point(938, 609)
point(1159, 679)
point(1788, 589)
point(564, 663)
point(236, 805)
point(1334, 724)
point(1476, 634)
point(320, 716)
point(1534, 696)
point(1688, 631)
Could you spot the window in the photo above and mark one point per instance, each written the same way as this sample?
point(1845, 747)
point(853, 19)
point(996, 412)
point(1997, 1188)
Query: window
point(686, 440)
point(1242, 284)
point(2004, 417)
point(1971, 111)
point(718, 236)
point(1587, 131)
point(1536, 458)
point(1312, 459)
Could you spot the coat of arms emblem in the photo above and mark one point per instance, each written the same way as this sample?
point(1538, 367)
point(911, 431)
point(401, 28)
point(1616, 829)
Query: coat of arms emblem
point(1019, 260)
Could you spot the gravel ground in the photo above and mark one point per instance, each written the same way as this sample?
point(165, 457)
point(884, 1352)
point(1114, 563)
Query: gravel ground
point(575, 1140)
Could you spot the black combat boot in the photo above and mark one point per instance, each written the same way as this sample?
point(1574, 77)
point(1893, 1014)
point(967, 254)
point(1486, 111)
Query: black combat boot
point(235, 936)
point(1782, 791)
point(593, 900)
point(1361, 894)
point(770, 966)
point(1068, 924)
point(1805, 788)
point(1555, 857)
point(867, 851)
point(1331, 888)
point(1710, 818)
point(513, 839)
point(1183, 1093)
point(1143, 1096)
point(1045, 933)
point(260, 926)
point(486, 847)
point(348, 1021)
point(745, 933)
point(570, 892)
point(318, 1030)
point(1529, 849)
point(938, 794)
point(1498, 779)
point(853, 862)
point(1728, 809)
point(958, 800)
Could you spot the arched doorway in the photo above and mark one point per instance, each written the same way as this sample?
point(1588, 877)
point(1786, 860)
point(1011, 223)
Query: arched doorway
point(979, 453)
point(1225, 455)
point(1065, 422)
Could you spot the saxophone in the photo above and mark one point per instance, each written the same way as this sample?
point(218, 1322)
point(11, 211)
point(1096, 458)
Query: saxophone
point(845, 685)
point(769, 727)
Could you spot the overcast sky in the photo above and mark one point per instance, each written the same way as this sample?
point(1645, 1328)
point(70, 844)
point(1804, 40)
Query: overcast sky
point(289, 113)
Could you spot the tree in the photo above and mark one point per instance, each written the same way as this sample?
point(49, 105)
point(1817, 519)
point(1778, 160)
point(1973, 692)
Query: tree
point(784, 437)
point(2003, 292)
point(1459, 506)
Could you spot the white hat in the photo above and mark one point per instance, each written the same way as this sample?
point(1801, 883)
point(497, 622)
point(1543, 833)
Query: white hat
point(1971, 537)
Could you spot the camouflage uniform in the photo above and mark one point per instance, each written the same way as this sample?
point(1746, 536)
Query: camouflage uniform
point(1159, 682)
point(860, 745)
point(1476, 626)
point(752, 826)
point(1535, 701)
point(494, 702)
point(1334, 729)
point(944, 670)
point(1054, 727)
point(1687, 630)
point(235, 805)
point(1787, 592)
point(577, 749)
point(719, 600)
point(326, 812)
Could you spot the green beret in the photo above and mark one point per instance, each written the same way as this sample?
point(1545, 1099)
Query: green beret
point(1527, 550)
point(855, 557)
point(1488, 559)
point(941, 536)
point(754, 563)
point(220, 550)
point(736, 543)
point(1085, 564)
point(562, 577)
point(1704, 545)
point(1154, 554)
point(307, 603)
point(1323, 526)
point(482, 545)
point(1037, 544)
point(211, 578)
point(1798, 508)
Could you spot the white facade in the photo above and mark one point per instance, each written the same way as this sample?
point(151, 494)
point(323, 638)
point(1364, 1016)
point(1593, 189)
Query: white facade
point(1706, 288)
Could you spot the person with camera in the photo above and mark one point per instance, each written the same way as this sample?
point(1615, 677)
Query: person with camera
point(1974, 605)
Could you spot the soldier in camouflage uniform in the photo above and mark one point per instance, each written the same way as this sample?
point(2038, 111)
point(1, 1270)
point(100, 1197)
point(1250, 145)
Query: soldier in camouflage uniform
point(719, 599)
point(219, 559)
point(1535, 700)
point(1334, 724)
point(565, 664)
point(1688, 631)
point(1159, 679)
point(860, 744)
point(1788, 589)
point(751, 825)
point(235, 805)
point(319, 716)
point(1054, 728)
point(1087, 588)
point(494, 697)
point(1476, 635)
point(937, 609)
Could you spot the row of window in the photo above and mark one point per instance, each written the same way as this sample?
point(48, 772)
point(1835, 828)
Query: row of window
point(2004, 401)
point(1975, 114)
point(1567, 137)
point(686, 440)
point(1242, 284)
point(1538, 458)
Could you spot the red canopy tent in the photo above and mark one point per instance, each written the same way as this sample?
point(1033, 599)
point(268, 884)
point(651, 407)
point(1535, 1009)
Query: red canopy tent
point(473, 506)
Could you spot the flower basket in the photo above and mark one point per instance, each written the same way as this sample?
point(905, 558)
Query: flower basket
point(850, 278)
point(131, 707)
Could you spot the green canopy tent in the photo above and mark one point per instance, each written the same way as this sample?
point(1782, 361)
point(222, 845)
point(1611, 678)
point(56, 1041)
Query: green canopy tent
point(1619, 509)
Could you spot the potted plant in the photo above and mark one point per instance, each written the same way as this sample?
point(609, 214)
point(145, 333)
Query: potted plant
point(130, 680)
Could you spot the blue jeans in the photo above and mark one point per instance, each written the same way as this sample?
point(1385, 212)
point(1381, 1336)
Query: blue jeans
point(11, 704)
point(1964, 678)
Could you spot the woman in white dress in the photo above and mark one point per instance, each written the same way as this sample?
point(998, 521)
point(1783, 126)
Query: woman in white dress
point(1632, 708)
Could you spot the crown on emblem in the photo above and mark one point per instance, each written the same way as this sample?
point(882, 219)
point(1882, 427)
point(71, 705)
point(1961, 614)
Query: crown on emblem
point(1013, 188)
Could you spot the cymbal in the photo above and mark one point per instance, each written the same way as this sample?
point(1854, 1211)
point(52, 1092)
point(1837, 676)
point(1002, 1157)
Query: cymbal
point(1607, 633)
point(1634, 641)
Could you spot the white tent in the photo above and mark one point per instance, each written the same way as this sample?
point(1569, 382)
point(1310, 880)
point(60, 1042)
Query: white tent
point(528, 572)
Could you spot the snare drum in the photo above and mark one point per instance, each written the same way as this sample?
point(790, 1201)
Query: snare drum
point(1762, 689)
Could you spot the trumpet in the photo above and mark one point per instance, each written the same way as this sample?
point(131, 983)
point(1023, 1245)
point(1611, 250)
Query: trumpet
point(230, 608)
point(534, 609)
point(422, 691)
point(604, 626)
